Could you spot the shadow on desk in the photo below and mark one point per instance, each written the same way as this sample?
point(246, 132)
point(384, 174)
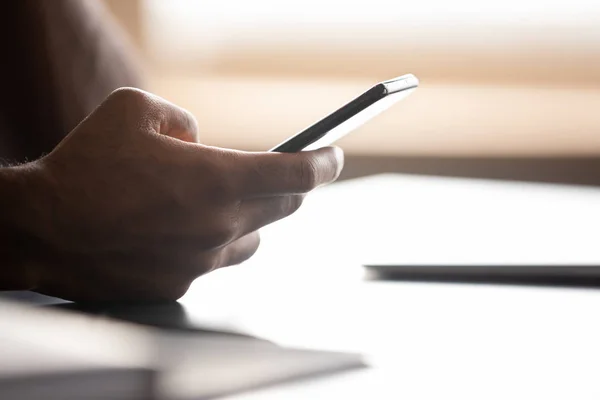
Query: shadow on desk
point(170, 316)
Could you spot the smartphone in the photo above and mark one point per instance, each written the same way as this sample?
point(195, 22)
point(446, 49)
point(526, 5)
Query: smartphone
point(341, 122)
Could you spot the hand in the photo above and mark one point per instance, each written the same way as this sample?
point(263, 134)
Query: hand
point(130, 207)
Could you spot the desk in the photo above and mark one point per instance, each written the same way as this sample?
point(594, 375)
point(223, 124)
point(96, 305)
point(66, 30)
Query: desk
point(425, 340)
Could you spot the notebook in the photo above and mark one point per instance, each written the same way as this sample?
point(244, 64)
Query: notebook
point(455, 229)
point(55, 354)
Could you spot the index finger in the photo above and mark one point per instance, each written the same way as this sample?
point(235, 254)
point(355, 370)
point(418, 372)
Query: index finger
point(273, 174)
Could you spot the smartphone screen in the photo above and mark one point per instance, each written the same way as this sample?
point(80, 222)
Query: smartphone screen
point(354, 114)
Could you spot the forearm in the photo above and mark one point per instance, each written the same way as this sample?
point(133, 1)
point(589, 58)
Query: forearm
point(88, 55)
point(16, 239)
point(61, 59)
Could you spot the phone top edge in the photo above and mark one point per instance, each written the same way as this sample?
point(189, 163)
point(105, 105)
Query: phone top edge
point(318, 130)
point(404, 82)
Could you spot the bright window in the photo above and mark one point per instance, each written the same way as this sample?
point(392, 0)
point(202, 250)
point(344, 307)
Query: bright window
point(510, 77)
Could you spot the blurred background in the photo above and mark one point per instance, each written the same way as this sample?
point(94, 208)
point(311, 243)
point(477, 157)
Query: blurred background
point(509, 89)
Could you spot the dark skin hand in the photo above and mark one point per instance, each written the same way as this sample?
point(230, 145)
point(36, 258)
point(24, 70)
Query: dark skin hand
point(130, 207)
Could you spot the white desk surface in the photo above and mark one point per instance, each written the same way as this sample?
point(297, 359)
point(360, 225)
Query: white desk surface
point(305, 288)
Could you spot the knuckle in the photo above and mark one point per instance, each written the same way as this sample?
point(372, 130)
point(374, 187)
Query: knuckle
point(128, 95)
point(127, 105)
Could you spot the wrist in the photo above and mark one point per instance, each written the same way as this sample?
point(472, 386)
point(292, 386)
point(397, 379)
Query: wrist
point(18, 240)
